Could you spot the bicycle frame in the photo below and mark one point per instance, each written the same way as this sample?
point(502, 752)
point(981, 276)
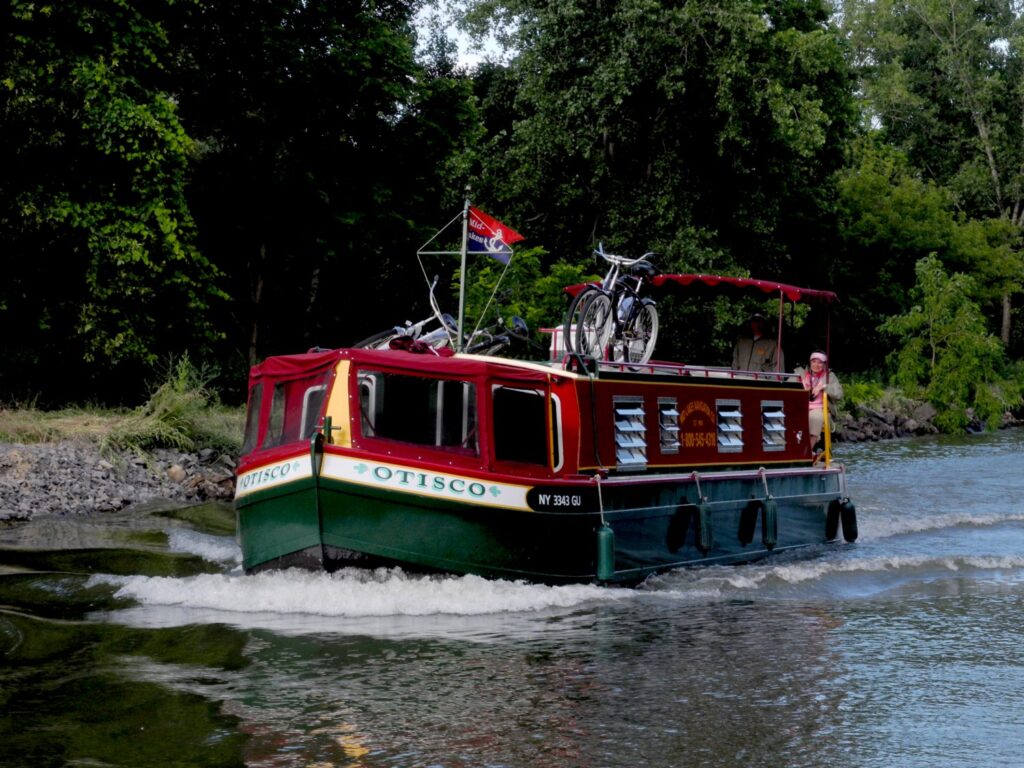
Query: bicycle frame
point(619, 291)
point(618, 288)
point(439, 337)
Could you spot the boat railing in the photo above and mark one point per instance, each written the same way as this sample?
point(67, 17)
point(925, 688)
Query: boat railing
point(696, 371)
point(663, 368)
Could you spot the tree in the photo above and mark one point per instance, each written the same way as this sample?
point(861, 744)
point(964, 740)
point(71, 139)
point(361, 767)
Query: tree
point(943, 81)
point(706, 132)
point(162, 157)
point(323, 149)
point(101, 262)
point(531, 288)
point(947, 354)
point(889, 218)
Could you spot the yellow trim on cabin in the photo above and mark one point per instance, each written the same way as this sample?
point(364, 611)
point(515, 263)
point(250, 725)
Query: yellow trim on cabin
point(338, 407)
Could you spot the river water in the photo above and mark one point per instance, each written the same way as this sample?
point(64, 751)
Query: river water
point(132, 639)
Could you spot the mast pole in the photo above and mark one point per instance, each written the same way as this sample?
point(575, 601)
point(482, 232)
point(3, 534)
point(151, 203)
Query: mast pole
point(462, 274)
point(778, 331)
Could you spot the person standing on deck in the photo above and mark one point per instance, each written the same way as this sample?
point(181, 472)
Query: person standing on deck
point(818, 380)
point(759, 352)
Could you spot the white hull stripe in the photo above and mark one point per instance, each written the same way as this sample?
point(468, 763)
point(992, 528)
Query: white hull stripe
point(273, 475)
point(426, 483)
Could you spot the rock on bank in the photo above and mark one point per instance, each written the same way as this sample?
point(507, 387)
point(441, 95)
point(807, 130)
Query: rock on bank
point(75, 478)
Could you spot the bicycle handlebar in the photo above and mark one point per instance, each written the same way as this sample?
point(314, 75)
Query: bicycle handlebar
point(622, 261)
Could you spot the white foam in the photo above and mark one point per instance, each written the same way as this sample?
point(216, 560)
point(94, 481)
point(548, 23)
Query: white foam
point(844, 574)
point(352, 593)
point(874, 527)
point(216, 549)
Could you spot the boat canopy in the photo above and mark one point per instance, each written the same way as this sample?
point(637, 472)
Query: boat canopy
point(457, 366)
point(734, 284)
point(287, 367)
point(303, 366)
point(791, 292)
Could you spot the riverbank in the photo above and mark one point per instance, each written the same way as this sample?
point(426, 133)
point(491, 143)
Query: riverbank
point(913, 419)
point(75, 477)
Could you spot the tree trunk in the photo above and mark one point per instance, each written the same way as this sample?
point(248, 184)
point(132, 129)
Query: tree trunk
point(257, 294)
point(1004, 331)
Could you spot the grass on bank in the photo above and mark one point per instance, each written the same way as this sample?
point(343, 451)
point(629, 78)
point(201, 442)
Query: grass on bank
point(182, 413)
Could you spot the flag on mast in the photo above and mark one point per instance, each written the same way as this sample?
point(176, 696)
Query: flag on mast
point(488, 235)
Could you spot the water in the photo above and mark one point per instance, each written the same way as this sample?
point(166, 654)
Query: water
point(132, 639)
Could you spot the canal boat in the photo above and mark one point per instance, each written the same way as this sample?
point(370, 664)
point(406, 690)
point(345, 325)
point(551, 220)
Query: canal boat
point(567, 470)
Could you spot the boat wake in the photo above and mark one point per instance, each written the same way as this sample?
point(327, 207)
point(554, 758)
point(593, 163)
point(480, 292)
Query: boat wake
point(385, 601)
point(875, 525)
point(835, 577)
point(391, 601)
point(216, 549)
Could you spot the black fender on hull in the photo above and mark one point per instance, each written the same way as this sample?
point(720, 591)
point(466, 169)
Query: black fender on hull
point(841, 512)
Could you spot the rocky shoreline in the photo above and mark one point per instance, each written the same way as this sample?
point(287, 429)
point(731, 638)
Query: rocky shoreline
point(869, 424)
point(76, 478)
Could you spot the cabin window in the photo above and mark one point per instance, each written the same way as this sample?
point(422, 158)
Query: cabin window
point(521, 428)
point(773, 425)
point(730, 426)
point(312, 405)
point(275, 425)
point(630, 433)
point(418, 410)
point(668, 425)
point(296, 408)
point(252, 418)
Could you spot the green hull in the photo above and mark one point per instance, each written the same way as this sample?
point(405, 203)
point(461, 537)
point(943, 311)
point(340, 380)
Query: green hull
point(655, 526)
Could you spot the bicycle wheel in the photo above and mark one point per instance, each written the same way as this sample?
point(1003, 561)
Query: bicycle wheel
point(640, 334)
point(595, 326)
point(572, 317)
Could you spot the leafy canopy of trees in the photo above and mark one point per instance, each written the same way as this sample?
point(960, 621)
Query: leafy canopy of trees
point(237, 179)
point(947, 354)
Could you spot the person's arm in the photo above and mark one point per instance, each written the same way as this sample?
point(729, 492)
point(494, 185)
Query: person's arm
point(834, 388)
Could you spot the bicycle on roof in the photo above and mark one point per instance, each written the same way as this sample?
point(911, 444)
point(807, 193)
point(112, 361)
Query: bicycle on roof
point(492, 340)
point(610, 320)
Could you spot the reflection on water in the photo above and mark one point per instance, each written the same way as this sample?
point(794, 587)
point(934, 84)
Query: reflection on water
point(133, 639)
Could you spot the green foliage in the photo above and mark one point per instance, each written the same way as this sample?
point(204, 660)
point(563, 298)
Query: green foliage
point(163, 157)
point(942, 79)
point(706, 132)
point(860, 391)
point(96, 164)
point(182, 413)
point(941, 82)
point(232, 178)
point(528, 289)
point(946, 353)
point(324, 150)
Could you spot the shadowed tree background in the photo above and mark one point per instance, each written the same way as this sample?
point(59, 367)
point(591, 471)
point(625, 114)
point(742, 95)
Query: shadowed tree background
point(235, 180)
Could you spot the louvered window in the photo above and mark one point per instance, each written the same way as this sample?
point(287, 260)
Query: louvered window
point(630, 433)
point(668, 425)
point(730, 426)
point(773, 425)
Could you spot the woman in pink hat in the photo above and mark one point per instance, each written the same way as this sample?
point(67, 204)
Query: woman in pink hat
point(816, 381)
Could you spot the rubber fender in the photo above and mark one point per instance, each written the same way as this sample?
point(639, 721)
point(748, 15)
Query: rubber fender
point(748, 521)
point(832, 520)
point(605, 553)
point(678, 526)
point(705, 536)
point(769, 523)
point(848, 515)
